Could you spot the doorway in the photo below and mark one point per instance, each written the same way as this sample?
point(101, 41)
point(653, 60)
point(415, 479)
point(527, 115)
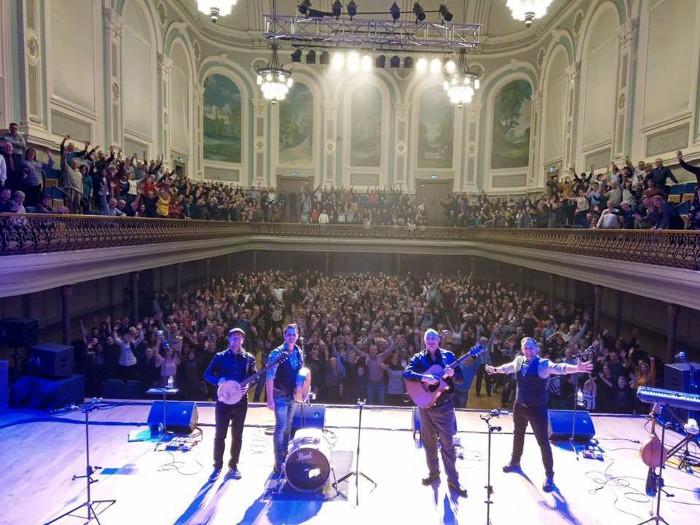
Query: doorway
point(433, 192)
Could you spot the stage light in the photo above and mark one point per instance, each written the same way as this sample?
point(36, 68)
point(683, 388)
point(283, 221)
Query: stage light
point(419, 12)
point(353, 61)
point(450, 66)
point(445, 13)
point(422, 65)
point(395, 11)
point(408, 63)
point(338, 61)
point(336, 8)
point(352, 9)
point(380, 62)
point(435, 65)
point(324, 58)
point(311, 57)
point(395, 61)
point(296, 55)
point(304, 6)
point(366, 63)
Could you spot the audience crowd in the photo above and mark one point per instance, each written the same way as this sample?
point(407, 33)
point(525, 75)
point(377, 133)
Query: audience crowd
point(358, 333)
point(109, 183)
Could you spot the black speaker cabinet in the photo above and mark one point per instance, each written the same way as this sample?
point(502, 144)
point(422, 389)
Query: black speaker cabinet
point(561, 424)
point(16, 332)
point(309, 416)
point(51, 360)
point(180, 416)
point(680, 377)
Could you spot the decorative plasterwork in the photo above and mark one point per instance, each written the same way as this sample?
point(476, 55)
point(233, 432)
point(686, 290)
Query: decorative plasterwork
point(628, 33)
point(113, 22)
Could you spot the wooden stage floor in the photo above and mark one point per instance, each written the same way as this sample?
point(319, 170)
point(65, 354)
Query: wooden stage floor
point(42, 452)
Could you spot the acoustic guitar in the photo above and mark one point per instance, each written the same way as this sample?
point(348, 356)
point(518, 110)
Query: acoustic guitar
point(231, 392)
point(425, 396)
point(652, 453)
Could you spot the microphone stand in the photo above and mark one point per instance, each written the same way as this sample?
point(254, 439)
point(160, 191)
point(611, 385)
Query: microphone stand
point(357, 473)
point(486, 418)
point(572, 438)
point(86, 408)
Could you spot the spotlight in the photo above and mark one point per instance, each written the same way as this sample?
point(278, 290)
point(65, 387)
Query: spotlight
point(353, 61)
point(304, 6)
point(435, 65)
point(338, 61)
point(352, 9)
point(311, 57)
point(380, 62)
point(366, 63)
point(324, 58)
point(395, 11)
point(395, 61)
point(336, 8)
point(422, 65)
point(445, 13)
point(450, 66)
point(408, 63)
point(296, 55)
point(419, 12)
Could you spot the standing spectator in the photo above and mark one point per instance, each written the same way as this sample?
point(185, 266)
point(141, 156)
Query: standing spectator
point(660, 174)
point(72, 179)
point(14, 137)
point(32, 181)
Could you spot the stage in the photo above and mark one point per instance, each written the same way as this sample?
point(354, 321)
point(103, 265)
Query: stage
point(152, 486)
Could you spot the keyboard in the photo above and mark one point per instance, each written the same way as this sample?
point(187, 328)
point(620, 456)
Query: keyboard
point(669, 397)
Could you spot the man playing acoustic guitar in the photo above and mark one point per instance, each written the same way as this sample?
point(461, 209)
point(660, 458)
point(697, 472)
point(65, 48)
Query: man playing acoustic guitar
point(437, 420)
point(531, 397)
point(227, 367)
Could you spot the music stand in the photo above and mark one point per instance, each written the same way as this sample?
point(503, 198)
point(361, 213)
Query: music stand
point(357, 473)
point(86, 408)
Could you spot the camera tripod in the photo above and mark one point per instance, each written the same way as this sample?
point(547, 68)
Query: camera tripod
point(86, 408)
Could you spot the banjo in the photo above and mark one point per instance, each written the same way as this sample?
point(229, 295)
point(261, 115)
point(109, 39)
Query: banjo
point(231, 392)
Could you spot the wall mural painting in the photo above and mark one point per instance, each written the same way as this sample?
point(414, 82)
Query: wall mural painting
point(435, 129)
point(366, 126)
point(222, 120)
point(296, 126)
point(511, 126)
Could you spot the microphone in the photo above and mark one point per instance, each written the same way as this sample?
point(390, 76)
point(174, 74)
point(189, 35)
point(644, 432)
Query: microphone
point(497, 412)
point(680, 356)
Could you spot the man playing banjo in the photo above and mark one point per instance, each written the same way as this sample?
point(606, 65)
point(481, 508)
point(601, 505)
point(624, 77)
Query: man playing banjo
point(228, 370)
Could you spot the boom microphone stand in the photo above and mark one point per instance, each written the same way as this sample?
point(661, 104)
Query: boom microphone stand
point(486, 418)
point(86, 408)
point(357, 473)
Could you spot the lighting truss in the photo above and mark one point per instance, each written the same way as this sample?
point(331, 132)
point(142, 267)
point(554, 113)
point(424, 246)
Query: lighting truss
point(373, 34)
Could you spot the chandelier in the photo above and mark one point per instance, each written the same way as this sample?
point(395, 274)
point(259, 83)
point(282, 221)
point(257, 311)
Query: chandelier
point(216, 8)
point(460, 81)
point(528, 10)
point(273, 79)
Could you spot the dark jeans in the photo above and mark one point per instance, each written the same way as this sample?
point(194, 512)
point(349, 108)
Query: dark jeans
point(482, 375)
point(539, 420)
point(438, 423)
point(235, 415)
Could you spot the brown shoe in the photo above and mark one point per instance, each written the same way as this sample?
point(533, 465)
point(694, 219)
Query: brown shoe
point(458, 489)
point(431, 477)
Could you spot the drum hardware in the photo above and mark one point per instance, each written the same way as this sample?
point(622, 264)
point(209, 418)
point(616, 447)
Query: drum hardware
point(357, 473)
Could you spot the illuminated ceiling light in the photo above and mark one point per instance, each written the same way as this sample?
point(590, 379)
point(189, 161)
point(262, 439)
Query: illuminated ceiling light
point(435, 65)
point(304, 6)
point(366, 63)
point(450, 66)
point(353, 61)
point(422, 65)
point(215, 8)
point(336, 9)
point(419, 12)
point(445, 13)
point(528, 10)
point(273, 79)
point(395, 11)
point(461, 83)
point(338, 61)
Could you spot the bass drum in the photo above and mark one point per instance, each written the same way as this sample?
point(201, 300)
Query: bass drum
point(308, 460)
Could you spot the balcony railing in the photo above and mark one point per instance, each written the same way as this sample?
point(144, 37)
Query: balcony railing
point(38, 233)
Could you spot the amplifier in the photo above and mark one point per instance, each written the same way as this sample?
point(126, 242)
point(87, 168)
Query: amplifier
point(51, 360)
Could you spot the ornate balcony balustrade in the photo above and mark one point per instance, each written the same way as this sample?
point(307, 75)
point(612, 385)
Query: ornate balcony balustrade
point(35, 233)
